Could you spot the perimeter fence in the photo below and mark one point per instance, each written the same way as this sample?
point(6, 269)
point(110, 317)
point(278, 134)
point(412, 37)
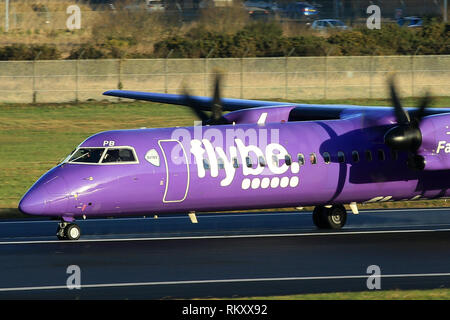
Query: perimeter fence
point(290, 78)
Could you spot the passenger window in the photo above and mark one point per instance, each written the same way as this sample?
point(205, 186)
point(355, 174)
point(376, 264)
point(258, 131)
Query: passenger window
point(206, 164)
point(326, 157)
point(301, 159)
point(118, 155)
point(355, 156)
point(313, 158)
point(381, 155)
point(220, 163)
point(368, 154)
point(235, 163)
point(262, 161)
point(341, 157)
point(275, 160)
point(248, 160)
point(288, 160)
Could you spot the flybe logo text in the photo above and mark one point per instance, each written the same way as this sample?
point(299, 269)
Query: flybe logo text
point(203, 149)
point(443, 146)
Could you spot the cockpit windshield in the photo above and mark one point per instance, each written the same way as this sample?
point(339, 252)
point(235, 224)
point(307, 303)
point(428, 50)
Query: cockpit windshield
point(118, 155)
point(87, 155)
point(114, 155)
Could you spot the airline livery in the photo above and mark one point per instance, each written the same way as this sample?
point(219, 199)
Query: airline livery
point(261, 154)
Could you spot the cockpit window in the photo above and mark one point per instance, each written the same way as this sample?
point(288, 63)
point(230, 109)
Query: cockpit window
point(118, 155)
point(103, 155)
point(87, 155)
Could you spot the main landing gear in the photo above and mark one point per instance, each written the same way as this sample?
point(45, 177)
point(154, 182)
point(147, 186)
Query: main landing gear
point(68, 231)
point(333, 217)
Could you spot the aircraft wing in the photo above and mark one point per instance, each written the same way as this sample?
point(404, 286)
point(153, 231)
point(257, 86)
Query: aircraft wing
point(203, 102)
point(300, 112)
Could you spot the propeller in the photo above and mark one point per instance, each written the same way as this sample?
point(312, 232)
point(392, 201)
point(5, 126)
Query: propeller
point(216, 108)
point(406, 136)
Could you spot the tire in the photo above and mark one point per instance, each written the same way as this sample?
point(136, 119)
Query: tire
point(333, 218)
point(336, 217)
point(72, 232)
point(319, 217)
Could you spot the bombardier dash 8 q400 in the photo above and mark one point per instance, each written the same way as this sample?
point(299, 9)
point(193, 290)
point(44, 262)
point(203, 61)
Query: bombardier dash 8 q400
point(262, 154)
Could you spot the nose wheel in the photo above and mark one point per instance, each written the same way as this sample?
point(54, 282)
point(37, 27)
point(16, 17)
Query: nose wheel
point(68, 231)
point(330, 218)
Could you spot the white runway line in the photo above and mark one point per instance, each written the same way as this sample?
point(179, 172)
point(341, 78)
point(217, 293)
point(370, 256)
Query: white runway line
point(216, 281)
point(310, 234)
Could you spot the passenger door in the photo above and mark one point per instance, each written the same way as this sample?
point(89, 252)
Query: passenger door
point(177, 171)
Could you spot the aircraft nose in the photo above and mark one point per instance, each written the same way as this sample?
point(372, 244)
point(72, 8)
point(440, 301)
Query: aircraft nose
point(46, 197)
point(33, 202)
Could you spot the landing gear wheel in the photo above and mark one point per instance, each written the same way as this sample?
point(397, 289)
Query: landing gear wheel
point(337, 217)
point(330, 218)
point(319, 217)
point(68, 231)
point(73, 232)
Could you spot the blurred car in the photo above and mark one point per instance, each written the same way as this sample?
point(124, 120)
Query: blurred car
point(258, 13)
point(410, 22)
point(155, 5)
point(297, 10)
point(326, 24)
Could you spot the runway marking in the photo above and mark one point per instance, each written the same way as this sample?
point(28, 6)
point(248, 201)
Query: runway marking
point(310, 234)
point(185, 282)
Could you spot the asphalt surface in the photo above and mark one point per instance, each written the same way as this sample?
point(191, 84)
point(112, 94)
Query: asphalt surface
point(225, 255)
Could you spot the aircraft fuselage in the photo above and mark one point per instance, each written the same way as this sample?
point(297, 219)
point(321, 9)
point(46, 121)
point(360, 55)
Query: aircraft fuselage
point(230, 167)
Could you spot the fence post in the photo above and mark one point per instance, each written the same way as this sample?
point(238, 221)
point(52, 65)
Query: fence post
point(413, 73)
point(371, 71)
point(119, 76)
point(205, 73)
point(166, 72)
point(77, 76)
point(242, 73)
point(326, 72)
point(286, 73)
point(34, 77)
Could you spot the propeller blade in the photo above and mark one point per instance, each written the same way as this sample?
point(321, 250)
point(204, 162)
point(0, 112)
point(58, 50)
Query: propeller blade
point(216, 107)
point(407, 135)
point(217, 117)
point(191, 103)
point(424, 104)
point(401, 114)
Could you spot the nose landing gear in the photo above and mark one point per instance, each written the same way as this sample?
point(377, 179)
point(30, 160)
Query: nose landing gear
point(334, 217)
point(68, 231)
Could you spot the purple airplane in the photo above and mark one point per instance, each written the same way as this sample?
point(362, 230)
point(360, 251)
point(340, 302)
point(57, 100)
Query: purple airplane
point(260, 155)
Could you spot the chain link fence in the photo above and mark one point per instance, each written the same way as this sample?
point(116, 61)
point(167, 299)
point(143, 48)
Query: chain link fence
point(290, 78)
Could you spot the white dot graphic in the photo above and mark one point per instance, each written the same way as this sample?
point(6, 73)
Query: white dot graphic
point(265, 182)
point(284, 182)
point(245, 184)
point(294, 182)
point(275, 182)
point(255, 183)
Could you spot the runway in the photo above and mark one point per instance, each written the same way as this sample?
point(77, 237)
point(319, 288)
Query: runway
point(225, 255)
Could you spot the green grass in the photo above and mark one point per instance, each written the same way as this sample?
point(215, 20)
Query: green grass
point(435, 294)
point(33, 138)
